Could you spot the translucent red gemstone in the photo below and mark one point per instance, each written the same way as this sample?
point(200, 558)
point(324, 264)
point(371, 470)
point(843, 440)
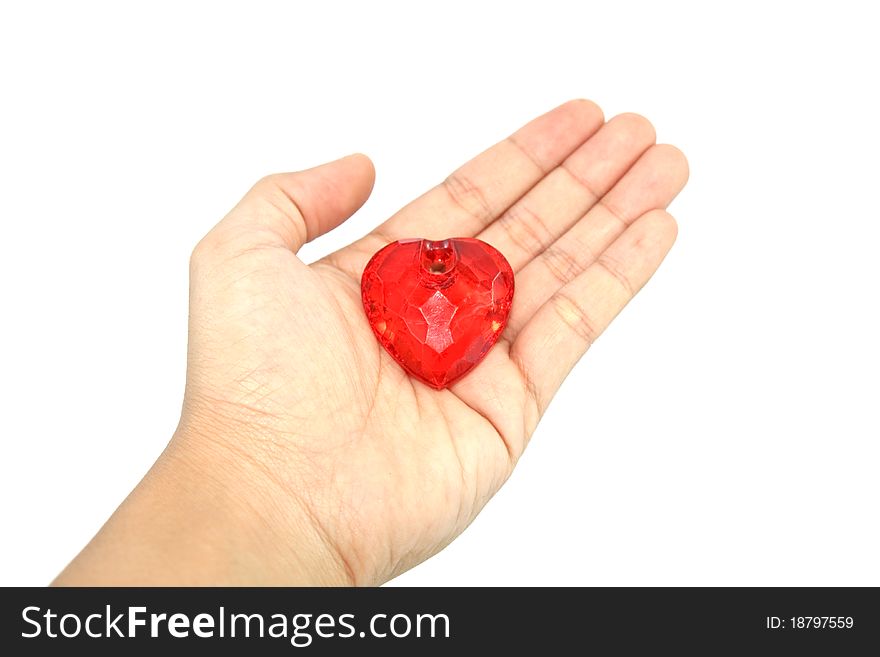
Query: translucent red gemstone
point(437, 307)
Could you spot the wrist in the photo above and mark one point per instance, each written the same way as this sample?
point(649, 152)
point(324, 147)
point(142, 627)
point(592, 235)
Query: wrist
point(206, 515)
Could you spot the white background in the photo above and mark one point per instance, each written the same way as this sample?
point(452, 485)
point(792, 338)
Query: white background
point(724, 431)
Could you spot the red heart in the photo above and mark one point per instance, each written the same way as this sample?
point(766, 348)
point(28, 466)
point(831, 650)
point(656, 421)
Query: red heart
point(437, 307)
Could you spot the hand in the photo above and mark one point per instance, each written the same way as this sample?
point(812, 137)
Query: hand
point(305, 454)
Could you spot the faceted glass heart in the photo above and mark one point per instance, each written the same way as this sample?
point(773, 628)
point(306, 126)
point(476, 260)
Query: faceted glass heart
point(437, 307)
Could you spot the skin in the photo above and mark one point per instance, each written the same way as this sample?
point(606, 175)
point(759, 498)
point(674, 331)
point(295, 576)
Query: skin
point(304, 454)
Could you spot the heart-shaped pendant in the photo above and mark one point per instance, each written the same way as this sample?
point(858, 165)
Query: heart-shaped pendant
point(437, 307)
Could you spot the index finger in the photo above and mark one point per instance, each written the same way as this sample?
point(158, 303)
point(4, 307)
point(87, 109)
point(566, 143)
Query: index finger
point(481, 190)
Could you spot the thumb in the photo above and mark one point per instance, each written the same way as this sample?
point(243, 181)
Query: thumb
point(290, 209)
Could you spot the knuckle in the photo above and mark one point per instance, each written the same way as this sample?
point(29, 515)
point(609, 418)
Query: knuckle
point(216, 246)
point(614, 269)
point(267, 184)
point(468, 196)
point(279, 193)
point(526, 229)
point(561, 263)
point(201, 251)
point(575, 317)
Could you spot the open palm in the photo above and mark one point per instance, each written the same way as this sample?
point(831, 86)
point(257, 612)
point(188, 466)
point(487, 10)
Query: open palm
point(286, 376)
